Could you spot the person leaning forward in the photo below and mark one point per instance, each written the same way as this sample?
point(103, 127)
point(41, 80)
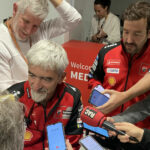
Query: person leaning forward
point(24, 29)
point(46, 97)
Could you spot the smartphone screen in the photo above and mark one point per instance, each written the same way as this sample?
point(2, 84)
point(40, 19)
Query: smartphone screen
point(56, 139)
point(97, 130)
point(89, 143)
point(97, 98)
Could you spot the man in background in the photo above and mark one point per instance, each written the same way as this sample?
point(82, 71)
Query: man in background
point(121, 65)
point(24, 29)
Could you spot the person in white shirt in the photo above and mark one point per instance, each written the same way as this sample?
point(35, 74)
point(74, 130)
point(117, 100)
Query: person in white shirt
point(25, 28)
point(105, 26)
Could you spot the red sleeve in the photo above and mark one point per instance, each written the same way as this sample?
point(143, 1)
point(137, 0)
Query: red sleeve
point(74, 141)
point(93, 83)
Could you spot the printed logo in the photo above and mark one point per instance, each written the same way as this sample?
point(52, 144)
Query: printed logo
point(144, 68)
point(111, 81)
point(113, 62)
point(90, 113)
point(28, 135)
point(113, 70)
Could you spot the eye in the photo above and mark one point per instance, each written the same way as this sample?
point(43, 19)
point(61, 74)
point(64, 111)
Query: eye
point(46, 79)
point(31, 75)
point(125, 32)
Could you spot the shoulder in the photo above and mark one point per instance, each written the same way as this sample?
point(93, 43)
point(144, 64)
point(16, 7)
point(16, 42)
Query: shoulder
point(17, 89)
point(109, 47)
point(113, 16)
point(73, 90)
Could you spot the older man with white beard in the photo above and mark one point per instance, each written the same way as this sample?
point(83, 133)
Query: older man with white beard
point(46, 97)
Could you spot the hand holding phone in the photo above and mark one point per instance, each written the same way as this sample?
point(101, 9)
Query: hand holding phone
point(97, 98)
point(56, 139)
point(89, 143)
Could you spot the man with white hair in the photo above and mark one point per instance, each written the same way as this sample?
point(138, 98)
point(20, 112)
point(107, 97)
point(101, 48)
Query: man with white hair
point(47, 98)
point(24, 29)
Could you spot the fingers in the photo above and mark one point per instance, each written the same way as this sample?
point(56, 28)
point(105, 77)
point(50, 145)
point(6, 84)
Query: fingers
point(106, 108)
point(123, 138)
point(106, 91)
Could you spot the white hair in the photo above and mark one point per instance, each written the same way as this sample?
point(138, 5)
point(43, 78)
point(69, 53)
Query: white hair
point(11, 123)
point(48, 55)
point(36, 7)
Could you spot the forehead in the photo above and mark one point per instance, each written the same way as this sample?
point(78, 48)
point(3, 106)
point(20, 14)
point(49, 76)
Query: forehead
point(39, 71)
point(31, 17)
point(98, 7)
point(135, 25)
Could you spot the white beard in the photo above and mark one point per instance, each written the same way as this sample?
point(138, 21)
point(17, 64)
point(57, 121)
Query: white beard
point(14, 27)
point(38, 97)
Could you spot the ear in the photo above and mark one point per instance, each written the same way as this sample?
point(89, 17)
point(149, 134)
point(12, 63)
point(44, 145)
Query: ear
point(15, 8)
point(62, 78)
point(148, 34)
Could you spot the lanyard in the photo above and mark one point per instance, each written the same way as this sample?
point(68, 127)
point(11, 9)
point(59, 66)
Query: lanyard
point(14, 40)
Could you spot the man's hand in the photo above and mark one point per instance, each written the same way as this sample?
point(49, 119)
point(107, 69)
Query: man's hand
point(116, 99)
point(101, 34)
point(94, 38)
point(69, 147)
point(131, 130)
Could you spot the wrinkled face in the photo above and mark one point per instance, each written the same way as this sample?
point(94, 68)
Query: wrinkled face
point(135, 35)
point(100, 11)
point(24, 25)
point(43, 83)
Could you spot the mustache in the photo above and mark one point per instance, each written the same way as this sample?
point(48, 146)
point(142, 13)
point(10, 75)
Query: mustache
point(40, 90)
point(130, 44)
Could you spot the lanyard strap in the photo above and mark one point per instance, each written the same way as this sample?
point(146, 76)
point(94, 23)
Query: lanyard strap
point(14, 40)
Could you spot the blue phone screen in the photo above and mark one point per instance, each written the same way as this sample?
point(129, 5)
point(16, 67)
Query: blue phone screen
point(97, 99)
point(98, 130)
point(90, 144)
point(56, 138)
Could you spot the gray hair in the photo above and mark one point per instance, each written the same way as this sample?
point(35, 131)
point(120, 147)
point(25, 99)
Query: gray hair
point(38, 8)
point(48, 55)
point(137, 11)
point(11, 123)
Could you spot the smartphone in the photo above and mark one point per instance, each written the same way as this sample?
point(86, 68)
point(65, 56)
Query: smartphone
point(96, 130)
point(97, 98)
point(56, 139)
point(89, 143)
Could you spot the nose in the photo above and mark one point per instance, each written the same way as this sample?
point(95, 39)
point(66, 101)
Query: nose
point(29, 29)
point(36, 84)
point(97, 13)
point(130, 38)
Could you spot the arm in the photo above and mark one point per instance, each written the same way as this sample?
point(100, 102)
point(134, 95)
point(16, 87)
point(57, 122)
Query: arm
point(113, 30)
point(139, 88)
point(131, 130)
point(5, 73)
point(96, 74)
point(114, 34)
point(69, 18)
point(93, 30)
point(73, 133)
point(135, 113)
point(119, 98)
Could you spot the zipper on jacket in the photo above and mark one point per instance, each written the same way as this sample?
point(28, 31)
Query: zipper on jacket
point(129, 68)
point(44, 127)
